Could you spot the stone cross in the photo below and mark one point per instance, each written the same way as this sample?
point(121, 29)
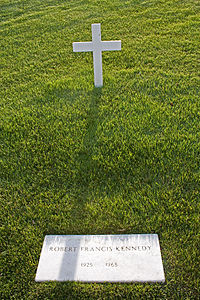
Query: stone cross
point(97, 46)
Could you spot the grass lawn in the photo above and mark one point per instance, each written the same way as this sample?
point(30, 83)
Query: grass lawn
point(75, 159)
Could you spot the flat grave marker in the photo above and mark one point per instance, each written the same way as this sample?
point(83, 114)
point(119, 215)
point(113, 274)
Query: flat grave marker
point(101, 258)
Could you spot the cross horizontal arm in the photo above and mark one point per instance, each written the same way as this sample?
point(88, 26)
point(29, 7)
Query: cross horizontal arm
point(110, 45)
point(82, 46)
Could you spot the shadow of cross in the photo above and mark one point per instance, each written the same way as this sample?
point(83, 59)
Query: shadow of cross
point(97, 46)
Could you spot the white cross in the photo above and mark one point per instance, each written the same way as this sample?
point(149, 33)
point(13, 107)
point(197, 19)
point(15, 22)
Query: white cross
point(97, 46)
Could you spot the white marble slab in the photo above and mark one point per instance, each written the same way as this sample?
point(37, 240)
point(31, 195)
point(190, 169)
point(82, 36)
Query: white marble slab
point(100, 258)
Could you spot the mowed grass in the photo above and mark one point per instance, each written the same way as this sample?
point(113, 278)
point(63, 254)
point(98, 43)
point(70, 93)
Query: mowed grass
point(75, 159)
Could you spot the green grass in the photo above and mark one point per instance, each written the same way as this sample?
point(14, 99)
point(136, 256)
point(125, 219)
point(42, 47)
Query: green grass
point(79, 160)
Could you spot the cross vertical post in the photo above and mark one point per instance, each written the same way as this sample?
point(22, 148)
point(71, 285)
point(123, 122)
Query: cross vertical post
point(97, 55)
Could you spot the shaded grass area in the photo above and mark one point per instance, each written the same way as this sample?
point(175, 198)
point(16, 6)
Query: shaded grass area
point(80, 160)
